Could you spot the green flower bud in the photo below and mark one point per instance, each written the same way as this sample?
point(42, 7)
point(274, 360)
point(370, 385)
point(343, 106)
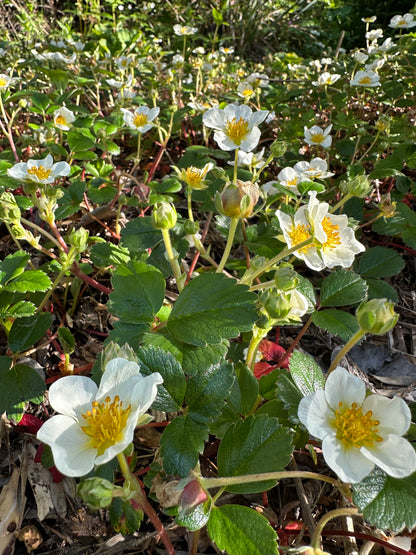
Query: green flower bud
point(97, 492)
point(191, 227)
point(276, 305)
point(357, 187)
point(30, 187)
point(278, 148)
point(377, 316)
point(239, 200)
point(78, 238)
point(113, 350)
point(286, 278)
point(9, 210)
point(164, 216)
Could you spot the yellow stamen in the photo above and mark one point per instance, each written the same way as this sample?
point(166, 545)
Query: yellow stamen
point(39, 171)
point(237, 130)
point(248, 92)
point(3, 82)
point(60, 120)
point(317, 138)
point(299, 234)
point(365, 80)
point(333, 238)
point(292, 182)
point(106, 423)
point(356, 429)
point(194, 176)
point(401, 22)
point(140, 120)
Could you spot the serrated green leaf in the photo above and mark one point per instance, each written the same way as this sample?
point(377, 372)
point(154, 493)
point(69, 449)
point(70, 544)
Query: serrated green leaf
point(244, 391)
point(379, 289)
point(339, 323)
point(290, 395)
point(12, 266)
point(342, 288)
point(171, 393)
point(211, 308)
point(67, 340)
point(19, 385)
point(40, 100)
point(139, 290)
point(127, 333)
point(139, 234)
point(29, 281)
point(21, 309)
point(252, 446)
point(306, 373)
point(196, 359)
point(181, 443)
point(80, 140)
point(25, 332)
point(379, 262)
point(108, 254)
point(206, 391)
point(238, 530)
point(197, 519)
point(386, 502)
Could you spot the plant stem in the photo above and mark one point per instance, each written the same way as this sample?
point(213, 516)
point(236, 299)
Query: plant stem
point(258, 334)
point(228, 246)
point(209, 483)
point(249, 277)
point(172, 259)
point(235, 166)
point(356, 337)
point(144, 504)
point(316, 538)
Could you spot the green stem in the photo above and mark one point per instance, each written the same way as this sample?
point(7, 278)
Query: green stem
point(209, 483)
point(258, 334)
point(249, 276)
point(370, 147)
point(42, 231)
point(172, 259)
point(137, 159)
point(143, 503)
point(189, 198)
point(228, 246)
point(64, 269)
point(235, 166)
point(356, 337)
point(316, 538)
point(341, 203)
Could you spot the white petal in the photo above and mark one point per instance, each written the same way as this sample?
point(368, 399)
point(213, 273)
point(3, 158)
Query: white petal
point(394, 414)
point(224, 142)
point(214, 117)
point(395, 455)
point(251, 140)
point(72, 395)
point(145, 391)
point(18, 171)
point(341, 386)
point(258, 117)
point(153, 113)
point(237, 111)
point(116, 372)
point(349, 464)
point(315, 414)
point(61, 168)
point(71, 451)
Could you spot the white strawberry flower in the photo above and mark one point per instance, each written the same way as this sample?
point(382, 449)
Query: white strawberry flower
point(141, 119)
point(326, 78)
point(40, 171)
point(317, 168)
point(405, 21)
point(318, 136)
point(366, 79)
point(184, 30)
point(62, 118)
point(235, 127)
point(358, 432)
point(95, 424)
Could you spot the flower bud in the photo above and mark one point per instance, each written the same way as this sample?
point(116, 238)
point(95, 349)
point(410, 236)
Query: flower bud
point(96, 492)
point(239, 200)
point(286, 278)
point(275, 304)
point(9, 209)
point(357, 187)
point(190, 227)
point(377, 316)
point(78, 238)
point(278, 148)
point(164, 216)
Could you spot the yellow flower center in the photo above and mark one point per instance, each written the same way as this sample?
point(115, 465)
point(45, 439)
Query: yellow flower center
point(106, 423)
point(60, 120)
point(3, 82)
point(356, 429)
point(194, 176)
point(248, 92)
point(317, 138)
point(299, 234)
point(365, 80)
point(237, 130)
point(39, 171)
point(401, 22)
point(292, 182)
point(140, 120)
point(333, 238)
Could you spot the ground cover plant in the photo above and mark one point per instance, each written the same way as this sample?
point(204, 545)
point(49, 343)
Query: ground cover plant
point(195, 236)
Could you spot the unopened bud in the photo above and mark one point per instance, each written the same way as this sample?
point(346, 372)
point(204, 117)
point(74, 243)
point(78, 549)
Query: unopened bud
point(377, 316)
point(9, 210)
point(239, 200)
point(275, 304)
point(164, 216)
point(78, 238)
point(96, 492)
point(190, 227)
point(278, 148)
point(286, 278)
point(357, 187)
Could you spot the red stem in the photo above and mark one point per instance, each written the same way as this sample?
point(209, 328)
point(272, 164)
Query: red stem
point(87, 279)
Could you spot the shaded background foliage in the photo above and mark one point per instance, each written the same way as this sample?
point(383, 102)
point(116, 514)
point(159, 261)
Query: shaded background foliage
point(254, 28)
